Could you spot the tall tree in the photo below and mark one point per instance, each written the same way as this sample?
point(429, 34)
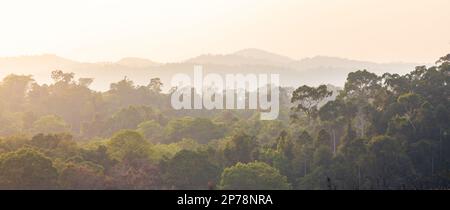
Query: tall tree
point(308, 98)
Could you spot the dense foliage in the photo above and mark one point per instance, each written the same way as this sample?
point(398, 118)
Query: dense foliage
point(379, 132)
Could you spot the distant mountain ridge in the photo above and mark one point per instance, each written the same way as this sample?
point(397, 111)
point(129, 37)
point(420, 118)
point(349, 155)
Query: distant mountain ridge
point(245, 57)
point(136, 62)
point(311, 71)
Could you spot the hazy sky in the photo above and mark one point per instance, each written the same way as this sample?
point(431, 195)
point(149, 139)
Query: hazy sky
point(173, 30)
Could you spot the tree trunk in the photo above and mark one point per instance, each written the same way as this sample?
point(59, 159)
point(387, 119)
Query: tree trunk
point(359, 177)
point(432, 166)
point(304, 168)
point(334, 141)
point(441, 158)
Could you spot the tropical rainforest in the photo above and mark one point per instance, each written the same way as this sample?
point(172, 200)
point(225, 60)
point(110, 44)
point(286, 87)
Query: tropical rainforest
point(376, 132)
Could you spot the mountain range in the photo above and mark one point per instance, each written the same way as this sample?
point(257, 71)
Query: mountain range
point(311, 71)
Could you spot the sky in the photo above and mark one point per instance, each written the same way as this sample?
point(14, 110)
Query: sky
point(175, 30)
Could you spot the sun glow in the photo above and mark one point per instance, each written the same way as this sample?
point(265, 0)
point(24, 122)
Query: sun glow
point(173, 30)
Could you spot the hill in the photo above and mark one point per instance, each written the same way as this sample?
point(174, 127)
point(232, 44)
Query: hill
point(311, 71)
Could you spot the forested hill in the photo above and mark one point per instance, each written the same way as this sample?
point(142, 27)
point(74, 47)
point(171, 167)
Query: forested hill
point(380, 131)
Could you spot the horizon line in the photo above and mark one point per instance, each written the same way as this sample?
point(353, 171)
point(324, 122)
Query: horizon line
point(211, 54)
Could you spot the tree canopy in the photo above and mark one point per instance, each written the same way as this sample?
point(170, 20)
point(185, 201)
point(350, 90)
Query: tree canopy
point(386, 131)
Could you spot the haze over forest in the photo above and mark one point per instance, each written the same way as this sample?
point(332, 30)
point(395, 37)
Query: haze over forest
point(299, 39)
point(310, 71)
point(364, 102)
